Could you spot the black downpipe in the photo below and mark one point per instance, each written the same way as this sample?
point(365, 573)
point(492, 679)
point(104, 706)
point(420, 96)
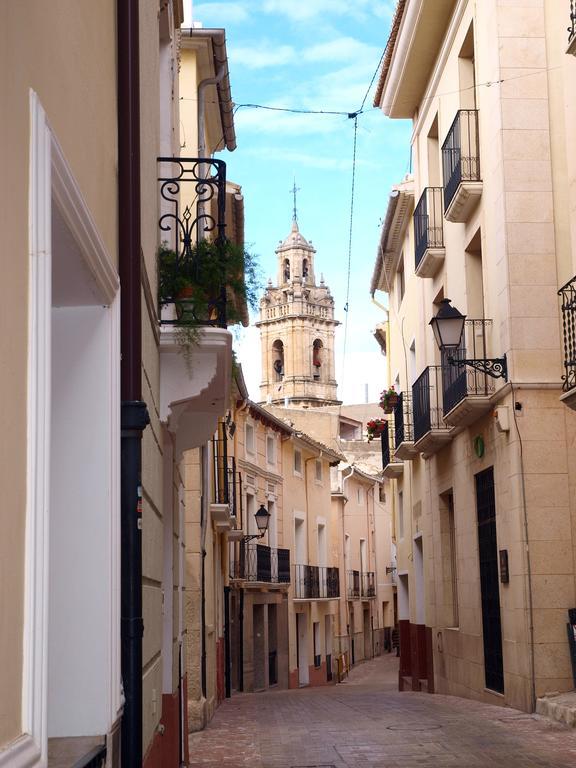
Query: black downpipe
point(241, 643)
point(134, 414)
point(204, 623)
point(227, 655)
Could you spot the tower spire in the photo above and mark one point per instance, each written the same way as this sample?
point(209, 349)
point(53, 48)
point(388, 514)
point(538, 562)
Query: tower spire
point(294, 209)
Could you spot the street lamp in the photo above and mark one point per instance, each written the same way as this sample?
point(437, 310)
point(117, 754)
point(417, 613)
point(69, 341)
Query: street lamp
point(262, 517)
point(448, 327)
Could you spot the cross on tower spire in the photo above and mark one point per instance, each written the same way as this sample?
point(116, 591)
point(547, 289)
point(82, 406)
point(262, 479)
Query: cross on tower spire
point(294, 210)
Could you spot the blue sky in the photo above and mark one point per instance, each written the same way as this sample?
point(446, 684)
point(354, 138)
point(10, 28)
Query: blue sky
point(319, 55)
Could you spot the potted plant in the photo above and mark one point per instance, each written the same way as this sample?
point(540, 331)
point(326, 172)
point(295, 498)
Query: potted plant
point(388, 399)
point(374, 428)
point(210, 283)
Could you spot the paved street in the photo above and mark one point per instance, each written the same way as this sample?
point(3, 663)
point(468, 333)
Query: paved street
point(366, 723)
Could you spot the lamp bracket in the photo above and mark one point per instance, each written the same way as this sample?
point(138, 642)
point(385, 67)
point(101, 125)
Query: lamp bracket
point(251, 536)
point(496, 367)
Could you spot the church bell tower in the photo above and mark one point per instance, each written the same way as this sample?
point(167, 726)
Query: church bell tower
point(297, 328)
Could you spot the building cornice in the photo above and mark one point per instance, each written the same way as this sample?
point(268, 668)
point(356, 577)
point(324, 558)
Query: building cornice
point(398, 215)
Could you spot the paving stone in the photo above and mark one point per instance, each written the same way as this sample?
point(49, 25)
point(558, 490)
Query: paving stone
point(367, 723)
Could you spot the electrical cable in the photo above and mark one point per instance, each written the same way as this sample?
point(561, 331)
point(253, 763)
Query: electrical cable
point(347, 304)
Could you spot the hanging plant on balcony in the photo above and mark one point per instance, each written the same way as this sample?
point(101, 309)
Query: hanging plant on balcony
point(388, 399)
point(209, 284)
point(374, 428)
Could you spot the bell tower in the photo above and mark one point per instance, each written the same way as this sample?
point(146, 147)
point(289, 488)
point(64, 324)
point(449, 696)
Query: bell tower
point(297, 328)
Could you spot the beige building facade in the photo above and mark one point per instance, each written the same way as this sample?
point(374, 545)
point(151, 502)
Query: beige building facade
point(480, 464)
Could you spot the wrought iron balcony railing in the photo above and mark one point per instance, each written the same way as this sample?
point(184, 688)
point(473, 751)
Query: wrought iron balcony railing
point(427, 402)
point(572, 28)
point(428, 222)
point(315, 582)
point(353, 584)
point(368, 584)
point(193, 255)
point(226, 481)
point(386, 439)
point(260, 563)
point(461, 153)
point(459, 382)
point(403, 432)
point(568, 295)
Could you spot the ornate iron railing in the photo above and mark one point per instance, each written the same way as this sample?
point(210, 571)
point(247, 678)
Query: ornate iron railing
point(428, 222)
point(568, 294)
point(572, 28)
point(460, 381)
point(368, 584)
point(183, 227)
point(226, 481)
point(427, 401)
point(386, 439)
point(258, 562)
point(461, 153)
point(353, 583)
point(403, 419)
point(314, 582)
point(96, 758)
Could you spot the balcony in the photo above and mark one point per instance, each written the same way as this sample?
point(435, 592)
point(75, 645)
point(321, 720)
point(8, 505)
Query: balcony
point(403, 430)
point(461, 166)
point(392, 467)
point(260, 564)
point(429, 232)
point(466, 391)
point(568, 295)
point(368, 585)
point(430, 432)
point(316, 582)
point(195, 345)
point(352, 584)
point(226, 504)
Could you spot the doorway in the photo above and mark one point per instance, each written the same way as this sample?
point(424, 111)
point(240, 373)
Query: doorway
point(489, 586)
point(302, 632)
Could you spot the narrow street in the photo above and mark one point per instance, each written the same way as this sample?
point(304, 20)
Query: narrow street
point(366, 723)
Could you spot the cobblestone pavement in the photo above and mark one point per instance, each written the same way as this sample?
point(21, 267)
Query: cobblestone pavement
point(366, 723)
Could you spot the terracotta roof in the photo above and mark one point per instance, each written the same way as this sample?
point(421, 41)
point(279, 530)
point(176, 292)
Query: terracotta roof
point(390, 45)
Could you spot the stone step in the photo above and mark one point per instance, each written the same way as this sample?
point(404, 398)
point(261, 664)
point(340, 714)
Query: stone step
point(559, 706)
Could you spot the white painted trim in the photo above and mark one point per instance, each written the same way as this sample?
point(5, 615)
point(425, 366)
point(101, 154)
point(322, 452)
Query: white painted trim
point(75, 213)
point(35, 640)
point(23, 753)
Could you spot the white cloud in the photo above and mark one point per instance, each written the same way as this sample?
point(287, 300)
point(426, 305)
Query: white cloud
point(305, 10)
point(325, 162)
point(266, 121)
point(341, 49)
point(262, 56)
point(218, 13)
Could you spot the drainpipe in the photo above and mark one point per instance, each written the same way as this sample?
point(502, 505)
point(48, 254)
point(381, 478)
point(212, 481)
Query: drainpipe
point(134, 414)
point(203, 525)
point(202, 107)
point(344, 502)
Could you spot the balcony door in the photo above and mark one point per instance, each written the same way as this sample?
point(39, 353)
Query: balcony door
point(489, 585)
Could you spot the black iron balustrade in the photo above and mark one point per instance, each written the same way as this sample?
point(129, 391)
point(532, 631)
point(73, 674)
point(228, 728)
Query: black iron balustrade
point(353, 584)
point(314, 582)
point(428, 222)
point(572, 28)
point(183, 228)
point(368, 584)
point(460, 381)
point(568, 295)
point(385, 439)
point(461, 153)
point(226, 481)
point(260, 563)
point(403, 419)
point(427, 401)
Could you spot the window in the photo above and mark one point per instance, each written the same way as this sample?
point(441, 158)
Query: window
point(400, 515)
point(278, 360)
point(363, 557)
point(449, 560)
point(317, 349)
point(250, 446)
point(360, 494)
point(271, 450)
point(322, 549)
point(319, 470)
point(400, 281)
point(297, 461)
point(317, 654)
